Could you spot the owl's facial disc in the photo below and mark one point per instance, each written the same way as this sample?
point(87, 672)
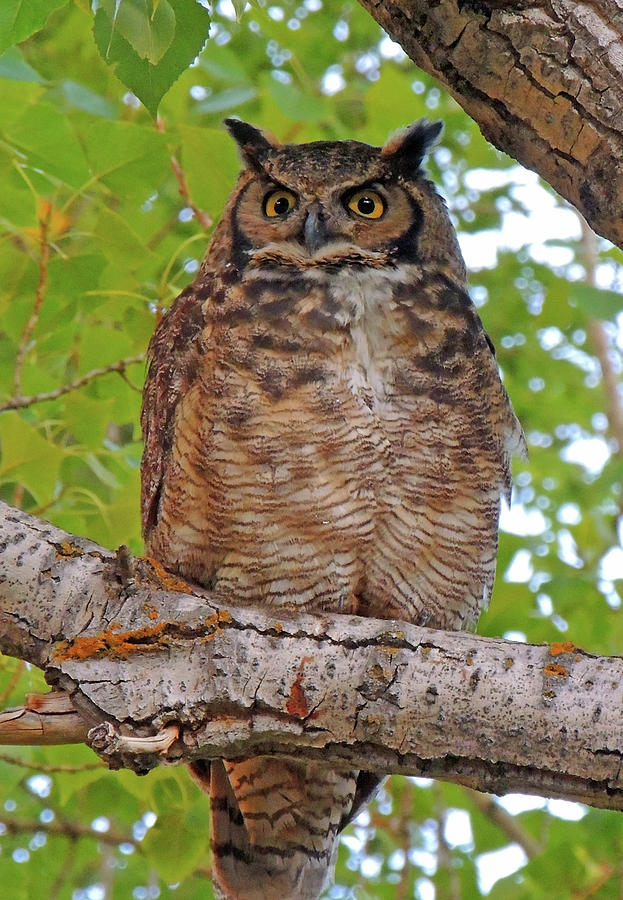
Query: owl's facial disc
point(292, 221)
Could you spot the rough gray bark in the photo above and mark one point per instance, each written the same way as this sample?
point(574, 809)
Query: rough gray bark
point(543, 80)
point(139, 653)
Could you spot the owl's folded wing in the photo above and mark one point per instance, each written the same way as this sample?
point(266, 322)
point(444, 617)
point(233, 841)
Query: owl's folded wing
point(173, 359)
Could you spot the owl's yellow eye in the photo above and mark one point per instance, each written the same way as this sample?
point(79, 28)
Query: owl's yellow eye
point(366, 203)
point(279, 203)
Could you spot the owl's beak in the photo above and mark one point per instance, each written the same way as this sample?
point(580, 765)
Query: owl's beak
point(315, 231)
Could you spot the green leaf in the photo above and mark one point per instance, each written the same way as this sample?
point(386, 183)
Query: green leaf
point(210, 162)
point(28, 458)
point(597, 303)
point(21, 18)
point(14, 67)
point(119, 241)
point(175, 846)
point(147, 80)
point(125, 156)
point(149, 28)
point(228, 99)
point(221, 62)
point(87, 419)
point(80, 97)
point(167, 793)
point(50, 143)
point(298, 106)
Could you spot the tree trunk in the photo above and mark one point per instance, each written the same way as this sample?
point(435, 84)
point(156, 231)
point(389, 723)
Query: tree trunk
point(543, 79)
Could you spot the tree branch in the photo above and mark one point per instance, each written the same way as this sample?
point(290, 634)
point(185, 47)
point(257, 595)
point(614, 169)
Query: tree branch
point(72, 830)
point(507, 823)
point(146, 654)
point(44, 215)
point(202, 217)
point(19, 402)
point(601, 344)
point(543, 80)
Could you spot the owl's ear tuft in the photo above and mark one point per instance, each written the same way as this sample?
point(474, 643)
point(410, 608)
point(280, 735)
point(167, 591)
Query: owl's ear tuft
point(406, 147)
point(254, 144)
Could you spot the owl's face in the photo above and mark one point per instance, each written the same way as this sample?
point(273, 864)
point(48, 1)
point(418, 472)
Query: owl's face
point(330, 202)
point(318, 211)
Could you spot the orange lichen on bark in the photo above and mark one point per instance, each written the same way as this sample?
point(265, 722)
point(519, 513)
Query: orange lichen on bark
point(561, 647)
point(378, 672)
point(214, 622)
point(111, 642)
point(168, 581)
point(220, 616)
point(66, 550)
point(297, 702)
point(508, 662)
point(556, 671)
point(151, 610)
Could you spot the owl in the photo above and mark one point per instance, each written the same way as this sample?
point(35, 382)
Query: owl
point(326, 431)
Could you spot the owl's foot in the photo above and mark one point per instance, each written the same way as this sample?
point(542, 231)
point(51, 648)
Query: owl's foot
point(127, 751)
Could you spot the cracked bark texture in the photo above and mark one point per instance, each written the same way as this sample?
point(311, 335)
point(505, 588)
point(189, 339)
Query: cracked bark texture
point(137, 650)
point(543, 80)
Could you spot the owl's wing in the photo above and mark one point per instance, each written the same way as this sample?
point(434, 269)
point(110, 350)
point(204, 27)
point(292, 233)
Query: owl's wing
point(173, 358)
point(509, 427)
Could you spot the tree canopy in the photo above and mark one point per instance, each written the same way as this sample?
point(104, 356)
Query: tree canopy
point(105, 211)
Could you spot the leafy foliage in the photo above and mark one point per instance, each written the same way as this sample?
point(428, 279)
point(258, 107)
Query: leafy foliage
point(150, 43)
point(100, 230)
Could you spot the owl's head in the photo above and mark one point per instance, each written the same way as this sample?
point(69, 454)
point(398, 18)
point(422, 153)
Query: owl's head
point(327, 203)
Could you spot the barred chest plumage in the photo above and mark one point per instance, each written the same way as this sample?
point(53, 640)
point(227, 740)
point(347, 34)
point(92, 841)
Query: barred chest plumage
point(342, 427)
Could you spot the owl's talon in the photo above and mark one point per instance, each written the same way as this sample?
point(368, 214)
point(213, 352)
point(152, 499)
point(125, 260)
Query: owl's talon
point(106, 740)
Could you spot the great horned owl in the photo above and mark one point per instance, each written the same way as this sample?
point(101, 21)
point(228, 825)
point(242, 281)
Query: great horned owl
point(325, 430)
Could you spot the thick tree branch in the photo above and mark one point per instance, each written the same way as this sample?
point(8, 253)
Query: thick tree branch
point(543, 79)
point(144, 653)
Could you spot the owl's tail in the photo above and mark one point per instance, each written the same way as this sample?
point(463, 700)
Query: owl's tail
point(274, 825)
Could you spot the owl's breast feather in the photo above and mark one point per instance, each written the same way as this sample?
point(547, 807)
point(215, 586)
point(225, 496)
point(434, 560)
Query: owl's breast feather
point(368, 309)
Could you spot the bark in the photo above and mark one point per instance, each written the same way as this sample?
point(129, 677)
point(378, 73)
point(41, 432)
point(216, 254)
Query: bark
point(543, 80)
point(153, 671)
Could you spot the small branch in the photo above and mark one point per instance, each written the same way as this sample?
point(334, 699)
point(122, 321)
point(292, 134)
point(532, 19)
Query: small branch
point(402, 833)
point(44, 257)
point(64, 873)
point(202, 217)
point(444, 852)
point(614, 409)
point(19, 402)
point(44, 719)
point(607, 872)
point(72, 830)
point(601, 344)
point(47, 769)
point(506, 823)
point(15, 677)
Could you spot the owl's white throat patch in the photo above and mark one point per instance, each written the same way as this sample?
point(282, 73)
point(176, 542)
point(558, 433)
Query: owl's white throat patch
point(368, 309)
